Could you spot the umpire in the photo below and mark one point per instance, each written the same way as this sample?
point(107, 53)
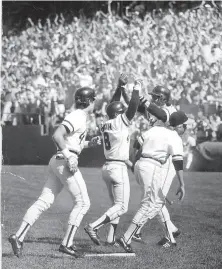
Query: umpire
point(207, 156)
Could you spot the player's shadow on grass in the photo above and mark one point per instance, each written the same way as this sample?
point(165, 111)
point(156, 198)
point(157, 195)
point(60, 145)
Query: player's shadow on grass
point(80, 243)
point(44, 240)
point(53, 256)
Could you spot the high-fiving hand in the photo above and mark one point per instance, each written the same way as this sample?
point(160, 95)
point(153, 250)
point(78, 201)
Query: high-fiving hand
point(138, 84)
point(123, 80)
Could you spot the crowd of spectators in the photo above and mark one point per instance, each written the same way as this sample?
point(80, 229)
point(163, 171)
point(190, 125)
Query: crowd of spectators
point(45, 63)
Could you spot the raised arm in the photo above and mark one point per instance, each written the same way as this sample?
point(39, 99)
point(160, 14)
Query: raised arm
point(153, 109)
point(121, 84)
point(135, 100)
point(125, 96)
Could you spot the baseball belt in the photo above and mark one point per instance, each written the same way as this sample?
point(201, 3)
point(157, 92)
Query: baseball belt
point(60, 156)
point(148, 157)
point(115, 160)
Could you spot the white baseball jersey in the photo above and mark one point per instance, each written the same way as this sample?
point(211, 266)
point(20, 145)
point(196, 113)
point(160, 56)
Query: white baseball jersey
point(116, 139)
point(153, 121)
point(159, 143)
point(75, 122)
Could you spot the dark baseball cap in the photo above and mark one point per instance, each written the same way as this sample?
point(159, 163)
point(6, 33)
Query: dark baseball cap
point(177, 118)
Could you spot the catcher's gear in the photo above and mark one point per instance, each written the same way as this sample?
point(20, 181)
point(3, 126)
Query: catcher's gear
point(114, 109)
point(72, 162)
point(160, 95)
point(84, 96)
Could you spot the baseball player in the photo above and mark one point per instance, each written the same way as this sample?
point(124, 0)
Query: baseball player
point(157, 144)
point(116, 142)
point(157, 113)
point(161, 97)
point(69, 138)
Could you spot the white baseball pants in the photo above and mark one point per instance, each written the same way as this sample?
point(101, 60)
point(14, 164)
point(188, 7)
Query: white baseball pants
point(148, 173)
point(116, 177)
point(168, 173)
point(59, 176)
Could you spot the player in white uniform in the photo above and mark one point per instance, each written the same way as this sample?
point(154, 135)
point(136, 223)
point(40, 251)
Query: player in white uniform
point(161, 97)
point(157, 144)
point(157, 113)
point(69, 138)
point(116, 142)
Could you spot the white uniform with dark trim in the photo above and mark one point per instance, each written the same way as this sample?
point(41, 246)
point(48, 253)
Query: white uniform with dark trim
point(75, 122)
point(168, 168)
point(60, 177)
point(116, 142)
point(158, 144)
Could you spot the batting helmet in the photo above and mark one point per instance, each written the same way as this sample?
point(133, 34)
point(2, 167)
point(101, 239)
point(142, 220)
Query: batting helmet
point(84, 96)
point(114, 109)
point(160, 95)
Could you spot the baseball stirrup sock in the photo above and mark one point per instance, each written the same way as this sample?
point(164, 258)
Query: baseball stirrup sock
point(21, 233)
point(100, 222)
point(133, 228)
point(111, 233)
point(169, 232)
point(139, 229)
point(69, 236)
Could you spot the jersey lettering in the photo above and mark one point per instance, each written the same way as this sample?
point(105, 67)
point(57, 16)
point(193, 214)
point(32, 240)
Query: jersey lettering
point(116, 138)
point(106, 126)
point(106, 141)
point(81, 137)
point(75, 122)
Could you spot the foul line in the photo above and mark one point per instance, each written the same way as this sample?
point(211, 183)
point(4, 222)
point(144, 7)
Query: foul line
point(14, 175)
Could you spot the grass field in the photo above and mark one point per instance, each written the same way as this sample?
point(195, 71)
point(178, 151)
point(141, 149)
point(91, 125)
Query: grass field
point(199, 217)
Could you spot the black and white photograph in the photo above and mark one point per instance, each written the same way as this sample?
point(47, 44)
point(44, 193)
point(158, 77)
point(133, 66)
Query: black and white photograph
point(111, 134)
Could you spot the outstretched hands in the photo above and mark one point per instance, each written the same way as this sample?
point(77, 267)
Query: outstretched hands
point(123, 80)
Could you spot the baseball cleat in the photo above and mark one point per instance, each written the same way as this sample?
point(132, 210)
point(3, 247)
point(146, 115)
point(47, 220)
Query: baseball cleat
point(112, 244)
point(71, 251)
point(176, 234)
point(92, 234)
point(164, 239)
point(123, 244)
point(168, 244)
point(17, 245)
point(137, 237)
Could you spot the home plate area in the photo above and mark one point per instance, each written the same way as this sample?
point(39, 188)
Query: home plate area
point(97, 251)
point(98, 254)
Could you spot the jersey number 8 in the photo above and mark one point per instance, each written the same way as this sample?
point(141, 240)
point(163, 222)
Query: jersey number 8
point(106, 141)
